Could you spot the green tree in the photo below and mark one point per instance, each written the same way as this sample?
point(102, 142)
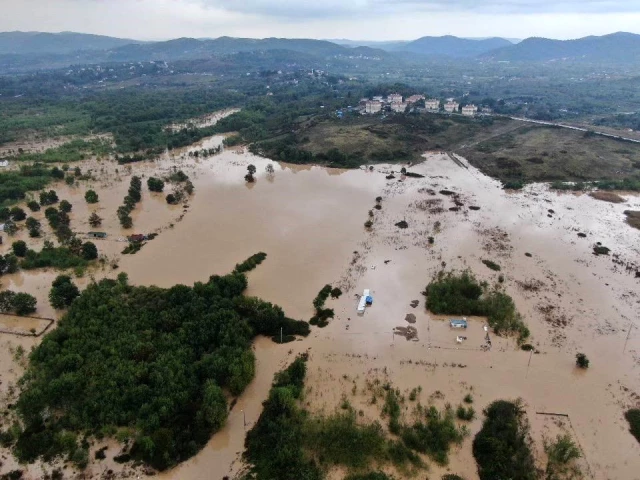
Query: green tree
point(24, 304)
point(95, 220)
point(65, 206)
point(582, 361)
point(63, 292)
point(10, 228)
point(48, 198)
point(18, 214)
point(155, 184)
point(33, 206)
point(19, 248)
point(89, 251)
point(91, 196)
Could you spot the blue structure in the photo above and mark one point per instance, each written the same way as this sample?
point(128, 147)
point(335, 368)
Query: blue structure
point(457, 323)
point(369, 300)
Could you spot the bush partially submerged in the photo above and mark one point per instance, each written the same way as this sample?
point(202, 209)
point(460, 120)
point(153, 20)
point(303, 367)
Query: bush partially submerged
point(582, 361)
point(492, 265)
point(502, 447)
point(461, 294)
point(633, 417)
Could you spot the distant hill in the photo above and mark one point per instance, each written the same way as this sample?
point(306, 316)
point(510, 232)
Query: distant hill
point(449, 46)
point(616, 47)
point(22, 43)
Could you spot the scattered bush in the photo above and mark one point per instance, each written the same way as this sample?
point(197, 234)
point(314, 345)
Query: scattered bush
point(33, 206)
point(582, 361)
point(48, 198)
point(65, 206)
point(468, 398)
point(492, 265)
point(91, 196)
point(466, 414)
point(336, 292)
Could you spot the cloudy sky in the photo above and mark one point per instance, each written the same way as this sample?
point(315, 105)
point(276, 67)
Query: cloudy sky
point(353, 19)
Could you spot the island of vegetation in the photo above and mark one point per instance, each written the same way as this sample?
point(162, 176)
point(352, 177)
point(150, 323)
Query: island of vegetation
point(152, 362)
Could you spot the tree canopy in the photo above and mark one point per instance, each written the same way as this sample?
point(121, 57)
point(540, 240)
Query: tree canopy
point(150, 359)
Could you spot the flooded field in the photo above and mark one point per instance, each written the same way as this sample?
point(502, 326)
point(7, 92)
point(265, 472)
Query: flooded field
point(310, 222)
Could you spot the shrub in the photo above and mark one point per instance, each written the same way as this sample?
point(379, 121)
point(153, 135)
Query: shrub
point(89, 251)
point(467, 414)
point(10, 228)
point(561, 455)
point(23, 303)
point(368, 224)
point(601, 250)
point(65, 206)
point(69, 180)
point(250, 263)
point(492, 265)
point(48, 198)
point(433, 435)
point(172, 199)
point(91, 196)
point(19, 248)
point(63, 292)
point(33, 206)
point(501, 448)
point(95, 220)
point(468, 398)
point(17, 214)
point(155, 184)
point(633, 417)
point(336, 292)
point(451, 476)
point(582, 361)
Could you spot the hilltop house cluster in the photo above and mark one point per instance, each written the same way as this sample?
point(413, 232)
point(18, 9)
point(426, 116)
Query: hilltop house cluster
point(394, 102)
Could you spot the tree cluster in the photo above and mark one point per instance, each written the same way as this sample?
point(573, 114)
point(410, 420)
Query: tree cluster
point(18, 303)
point(461, 294)
point(155, 184)
point(63, 292)
point(170, 351)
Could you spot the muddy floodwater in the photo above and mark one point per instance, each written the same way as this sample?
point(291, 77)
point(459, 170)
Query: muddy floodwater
point(310, 222)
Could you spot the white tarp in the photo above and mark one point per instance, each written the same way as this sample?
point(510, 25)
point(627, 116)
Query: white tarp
point(363, 301)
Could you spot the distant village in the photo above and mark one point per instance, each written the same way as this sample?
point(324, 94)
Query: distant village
point(396, 103)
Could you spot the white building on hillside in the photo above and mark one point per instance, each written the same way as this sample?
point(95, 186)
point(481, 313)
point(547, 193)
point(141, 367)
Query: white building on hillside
point(394, 98)
point(414, 98)
point(399, 107)
point(469, 110)
point(451, 107)
point(372, 106)
point(433, 105)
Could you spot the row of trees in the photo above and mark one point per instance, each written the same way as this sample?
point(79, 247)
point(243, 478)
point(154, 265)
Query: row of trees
point(134, 195)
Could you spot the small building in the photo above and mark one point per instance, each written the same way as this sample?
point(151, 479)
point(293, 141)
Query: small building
point(394, 98)
point(458, 323)
point(100, 235)
point(432, 105)
point(451, 107)
point(469, 110)
point(414, 98)
point(378, 98)
point(399, 107)
point(372, 106)
point(4, 163)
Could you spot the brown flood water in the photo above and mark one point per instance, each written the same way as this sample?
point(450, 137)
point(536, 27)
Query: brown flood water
point(309, 221)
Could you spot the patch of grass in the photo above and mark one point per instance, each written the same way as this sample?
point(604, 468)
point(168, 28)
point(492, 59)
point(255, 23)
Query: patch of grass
point(433, 434)
point(72, 151)
point(562, 454)
point(607, 197)
point(492, 265)
point(466, 414)
point(462, 294)
point(633, 417)
point(633, 218)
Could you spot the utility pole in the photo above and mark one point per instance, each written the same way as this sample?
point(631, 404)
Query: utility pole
point(244, 419)
point(530, 355)
point(628, 334)
point(280, 334)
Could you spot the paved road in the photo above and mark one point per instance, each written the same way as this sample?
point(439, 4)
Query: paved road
point(580, 129)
